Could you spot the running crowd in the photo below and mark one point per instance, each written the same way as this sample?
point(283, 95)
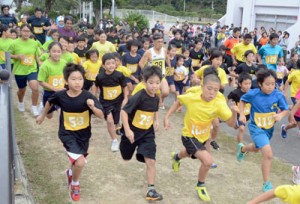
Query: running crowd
point(115, 74)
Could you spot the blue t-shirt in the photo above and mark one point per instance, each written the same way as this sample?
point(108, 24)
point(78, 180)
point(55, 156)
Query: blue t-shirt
point(132, 63)
point(264, 106)
point(270, 55)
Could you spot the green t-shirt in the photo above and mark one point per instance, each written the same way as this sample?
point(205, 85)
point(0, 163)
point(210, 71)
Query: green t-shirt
point(52, 73)
point(46, 45)
point(30, 49)
point(68, 57)
point(4, 47)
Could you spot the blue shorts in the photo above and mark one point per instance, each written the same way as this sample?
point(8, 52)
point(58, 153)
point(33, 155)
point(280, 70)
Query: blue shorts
point(128, 80)
point(179, 86)
point(170, 80)
point(46, 96)
point(260, 137)
point(188, 82)
point(21, 80)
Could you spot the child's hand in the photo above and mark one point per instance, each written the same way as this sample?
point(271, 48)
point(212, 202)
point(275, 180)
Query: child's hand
point(234, 107)
point(167, 125)
point(39, 120)
point(242, 119)
point(21, 57)
point(124, 102)
point(277, 117)
point(90, 103)
point(130, 135)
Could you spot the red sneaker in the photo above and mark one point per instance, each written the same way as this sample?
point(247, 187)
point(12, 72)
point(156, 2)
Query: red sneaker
point(68, 177)
point(75, 193)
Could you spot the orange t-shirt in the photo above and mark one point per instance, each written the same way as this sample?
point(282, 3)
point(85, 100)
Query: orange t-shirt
point(230, 43)
point(263, 41)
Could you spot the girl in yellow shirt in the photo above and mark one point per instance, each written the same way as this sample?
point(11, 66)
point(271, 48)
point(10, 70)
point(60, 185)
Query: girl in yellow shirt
point(91, 67)
point(203, 107)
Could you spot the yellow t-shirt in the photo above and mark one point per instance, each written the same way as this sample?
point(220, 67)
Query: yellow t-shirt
point(124, 70)
point(76, 58)
point(200, 114)
point(92, 69)
point(107, 47)
point(239, 50)
point(288, 193)
point(141, 86)
point(221, 74)
point(294, 78)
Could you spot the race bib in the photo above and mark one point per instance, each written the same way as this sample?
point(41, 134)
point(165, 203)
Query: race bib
point(264, 120)
point(271, 59)
point(38, 30)
point(2, 55)
point(132, 67)
point(91, 75)
point(179, 76)
point(57, 81)
point(247, 108)
point(143, 119)
point(76, 121)
point(200, 130)
point(169, 71)
point(28, 60)
point(111, 93)
point(178, 50)
point(160, 64)
point(280, 75)
point(195, 63)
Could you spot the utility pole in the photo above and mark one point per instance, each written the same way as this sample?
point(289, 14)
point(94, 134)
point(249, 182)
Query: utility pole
point(113, 9)
point(101, 11)
point(212, 4)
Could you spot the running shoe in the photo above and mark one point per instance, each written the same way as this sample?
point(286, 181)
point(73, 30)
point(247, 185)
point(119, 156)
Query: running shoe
point(202, 193)
point(283, 132)
point(152, 195)
point(213, 166)
point(115, 145)
point(75, 192)
point(35, 111)
point(267, 186)
point(69, 177)
point(21, 107)
point(175, 163)
point(215, 145)
point(240, 155)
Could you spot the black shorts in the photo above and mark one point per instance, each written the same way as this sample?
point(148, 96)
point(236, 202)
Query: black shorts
point(114, 109)
point(75, 145)
point(146, 147)
point(87, 84)
point(297, 118)
point(192, 145)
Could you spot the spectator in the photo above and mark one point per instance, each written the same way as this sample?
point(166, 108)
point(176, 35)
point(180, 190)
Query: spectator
point(67, 30)
point(284, 43)
point(209, 30)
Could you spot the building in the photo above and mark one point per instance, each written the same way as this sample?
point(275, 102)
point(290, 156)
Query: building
point(278, 14)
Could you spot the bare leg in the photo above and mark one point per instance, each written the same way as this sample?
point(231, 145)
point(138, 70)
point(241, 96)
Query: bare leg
point(35, 91)
point(77, 168)
point(111, 126)
point(150, 171)
point(206, 161)
point(266, 162)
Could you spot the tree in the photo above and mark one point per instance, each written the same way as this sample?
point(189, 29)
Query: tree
point(140, 19)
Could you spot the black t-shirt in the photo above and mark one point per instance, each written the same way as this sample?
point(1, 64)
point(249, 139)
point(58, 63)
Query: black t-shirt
point(188, 65)
point(80, 53)
point(177, 43)
point(114, 40)
point(111, 87)
point(244, 68)
point(75, 116)
point(141, 110)
point(37, 26)
point(123, 50)
point(236, 95)
point(197, 55)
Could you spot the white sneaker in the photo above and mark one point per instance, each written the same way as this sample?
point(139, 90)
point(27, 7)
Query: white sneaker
point(115, 145)
point(21, 107)
point(296, 174)
point(35, 111)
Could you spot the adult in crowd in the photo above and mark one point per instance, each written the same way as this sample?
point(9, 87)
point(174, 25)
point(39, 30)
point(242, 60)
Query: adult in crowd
point(284, 43)
point(7, 18)
point(40, 25)
point(67, 30)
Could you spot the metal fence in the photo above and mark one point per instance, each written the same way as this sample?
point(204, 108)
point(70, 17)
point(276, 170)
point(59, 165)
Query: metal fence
point(7, 140)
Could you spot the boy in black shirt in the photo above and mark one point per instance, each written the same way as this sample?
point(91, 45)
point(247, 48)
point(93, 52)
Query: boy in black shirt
point(113, 95)
point(140, 119)
point(81, 49)
point(75, 122)
point(244, 82)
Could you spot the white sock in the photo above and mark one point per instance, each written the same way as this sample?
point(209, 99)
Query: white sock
point(75, 183)
point(33, 106)
point(115, 140)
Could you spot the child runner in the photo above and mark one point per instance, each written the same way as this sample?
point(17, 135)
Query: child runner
point(262, 119)
point(245, 67)
point(140, 120)
point(81, 49)
point(75, 122)
point(91, 67)
point(294, 80)
point(202, 108)
point(287, 193)
point(197, 55)
point(281, 72)
point(145, 46)
point(188, 65)
point(131, 61)
point(70, 49)
point(180, 76)
point(113, 95)
point(177, 41)
point(244, 82)
point(50, 75)
point(5, 43)
point(54, 34)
